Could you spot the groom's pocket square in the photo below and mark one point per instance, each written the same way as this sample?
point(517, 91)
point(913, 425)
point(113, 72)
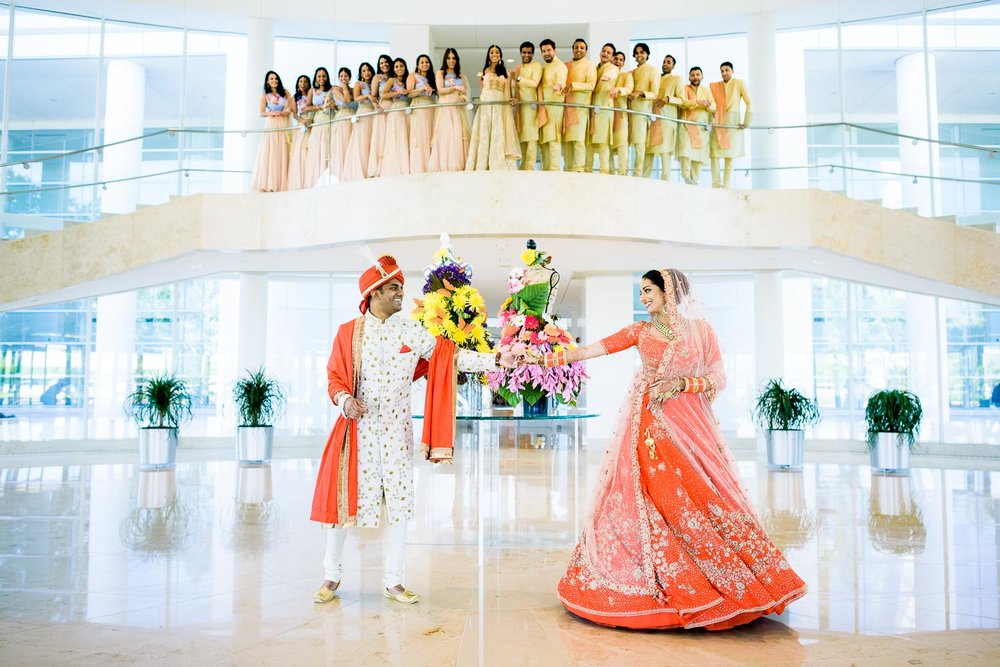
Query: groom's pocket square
point(405, 349)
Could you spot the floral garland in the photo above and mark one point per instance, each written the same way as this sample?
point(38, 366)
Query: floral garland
point(451, 307)
point(525, 326)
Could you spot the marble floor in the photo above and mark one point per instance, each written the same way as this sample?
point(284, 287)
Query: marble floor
point(213, 563)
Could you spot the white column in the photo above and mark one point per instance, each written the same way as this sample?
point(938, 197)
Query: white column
point(226, 367)
point(797, 330)
point(764, 147)
point(789, 106)
point(915, 119)
point(124, 111)
point(409, 41)
point(259, 59)
point(252, 340)
point(113, 373)
point(922, 361)
point(769, 355)
point(607, 308)
point(598, 33)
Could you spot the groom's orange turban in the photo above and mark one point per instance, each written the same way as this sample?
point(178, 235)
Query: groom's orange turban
point(374, 277)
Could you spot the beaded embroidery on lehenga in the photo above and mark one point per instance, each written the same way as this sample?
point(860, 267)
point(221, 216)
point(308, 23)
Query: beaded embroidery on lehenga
point(672, 539)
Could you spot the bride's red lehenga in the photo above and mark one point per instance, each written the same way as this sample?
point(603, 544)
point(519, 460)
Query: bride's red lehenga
point(672, 540)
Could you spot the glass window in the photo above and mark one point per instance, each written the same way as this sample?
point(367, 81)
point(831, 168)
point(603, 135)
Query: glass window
point(973, 332)
point(42, 355)
point(176, 331)
point(52, 109)
point(215, 93)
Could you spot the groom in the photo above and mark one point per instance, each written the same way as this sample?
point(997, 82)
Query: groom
point(367, 464)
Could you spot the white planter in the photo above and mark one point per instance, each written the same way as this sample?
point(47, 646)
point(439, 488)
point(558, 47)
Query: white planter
point(785, 449)
point(890, 454)
point(157, 447)
point(254, 444)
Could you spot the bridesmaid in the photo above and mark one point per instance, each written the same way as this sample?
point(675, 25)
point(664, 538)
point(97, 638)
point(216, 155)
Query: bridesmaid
point(382, 76)
point(297, 157)
point(270, 171)
point(318, 151)
point(450, 142)
point(494, 143)
point(342, 98)
point(396, 151)
point(421, 89)
point(356, 161)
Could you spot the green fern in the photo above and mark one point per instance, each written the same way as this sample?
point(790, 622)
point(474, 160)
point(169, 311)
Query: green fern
point(893, 411)
point(259, 399)
point(161, 401)
point(784, 409)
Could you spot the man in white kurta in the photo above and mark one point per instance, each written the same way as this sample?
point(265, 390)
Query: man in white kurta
point(692, 138)
point(392, 344)
point(662, 137)
point(727, 142)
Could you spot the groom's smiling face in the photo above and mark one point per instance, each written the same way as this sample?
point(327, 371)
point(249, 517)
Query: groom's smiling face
point(387, 299)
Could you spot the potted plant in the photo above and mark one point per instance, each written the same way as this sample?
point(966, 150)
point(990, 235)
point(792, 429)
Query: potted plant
point(159, 405)
point(783, 413)
point(893, 418)
point(260, 401)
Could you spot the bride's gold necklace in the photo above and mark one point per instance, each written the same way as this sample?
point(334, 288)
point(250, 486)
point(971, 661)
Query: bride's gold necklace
point(663, 327)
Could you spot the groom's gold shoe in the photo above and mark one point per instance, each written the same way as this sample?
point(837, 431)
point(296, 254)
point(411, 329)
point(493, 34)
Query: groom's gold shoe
point(404, 596)
point(324, 594)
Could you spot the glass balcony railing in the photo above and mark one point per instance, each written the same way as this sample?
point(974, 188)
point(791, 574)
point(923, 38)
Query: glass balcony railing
point(46, 187)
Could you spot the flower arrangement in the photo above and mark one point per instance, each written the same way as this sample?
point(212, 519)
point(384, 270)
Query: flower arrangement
point(527, 327)
point(451, 307)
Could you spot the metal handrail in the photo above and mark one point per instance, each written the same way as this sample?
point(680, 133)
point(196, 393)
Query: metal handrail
point(91, 184)
point(992, 151)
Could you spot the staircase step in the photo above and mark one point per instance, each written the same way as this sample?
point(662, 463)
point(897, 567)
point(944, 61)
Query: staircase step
point(985, 226)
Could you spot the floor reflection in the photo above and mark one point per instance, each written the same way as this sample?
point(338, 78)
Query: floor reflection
point(221, 559)
point(895, 522)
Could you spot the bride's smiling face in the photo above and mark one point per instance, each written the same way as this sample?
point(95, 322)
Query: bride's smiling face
point(651, 296)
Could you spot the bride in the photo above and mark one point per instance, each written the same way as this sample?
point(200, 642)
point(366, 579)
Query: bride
point(672, 540)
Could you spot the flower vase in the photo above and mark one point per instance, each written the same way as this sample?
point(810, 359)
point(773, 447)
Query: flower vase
point(470, 394)
point(539, 409)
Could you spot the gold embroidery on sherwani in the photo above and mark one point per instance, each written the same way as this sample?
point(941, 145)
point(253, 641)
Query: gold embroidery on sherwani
point(345, 452)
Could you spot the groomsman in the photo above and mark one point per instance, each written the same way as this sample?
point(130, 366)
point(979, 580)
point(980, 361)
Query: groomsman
point(692, 145)
point(620, 124)
point(663, 133)
point(602, 121)
point(580, 82)
point(550, 118)
point(527, 77)
point(646, 83)
point(727, 143)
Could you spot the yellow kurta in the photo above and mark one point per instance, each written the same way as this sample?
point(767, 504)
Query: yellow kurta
point(669, 95)
point(645, 80)
point(554, 73)
point(603, 121)
point(619, 134)
point(685, 146)
point(736, 90)
point(527, 91)
point(581, 77)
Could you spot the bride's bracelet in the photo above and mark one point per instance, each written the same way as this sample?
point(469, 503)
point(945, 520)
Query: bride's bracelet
point(696, 385)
